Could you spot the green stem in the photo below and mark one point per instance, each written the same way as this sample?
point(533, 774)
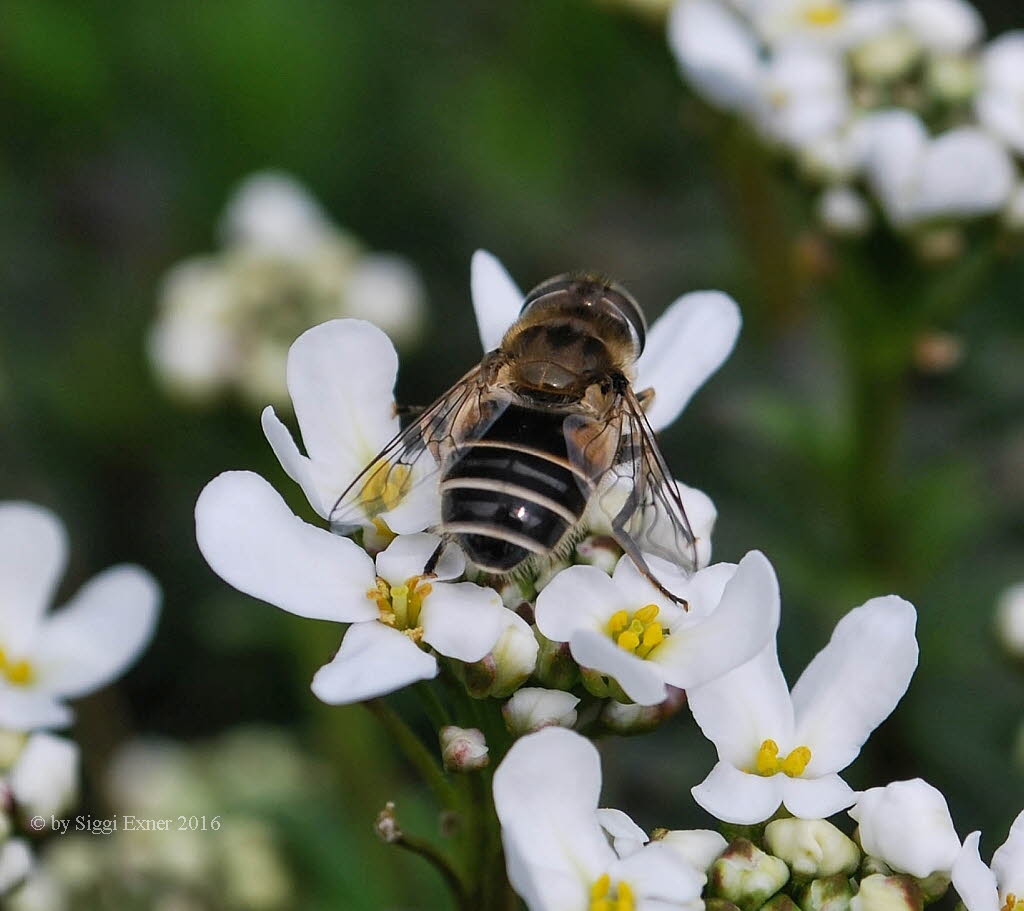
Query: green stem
point(414, 750)
point(440, 863)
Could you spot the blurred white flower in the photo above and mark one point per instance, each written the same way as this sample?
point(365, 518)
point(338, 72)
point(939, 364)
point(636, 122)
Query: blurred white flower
point(15, 863)
point(252, 540)
point(532, 708)
point(226, 320)
point(44, 780)
point(946, 26)
point(46, 658)
point(803, 96)
point(556, 849)
point(1000, 101)
point(685, 345)
point(776, 747)
point(1013, 214)
point(907, 825)
point(962, 173)
point(624, 628)
point(829, 24)
point(1010, 619)
point(1001, 886)
point(843, 211)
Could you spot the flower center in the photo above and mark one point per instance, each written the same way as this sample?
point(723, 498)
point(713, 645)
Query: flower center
point(822, 15)
point(639, 633)
point(603, 897)
point(1012, 903)
point(768, 761)
point(17, 673)
point(400, 605)
point(384, 488)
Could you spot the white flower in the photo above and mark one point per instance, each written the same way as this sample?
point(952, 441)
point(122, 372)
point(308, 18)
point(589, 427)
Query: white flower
point(984, 888)
point(717, 53)
point(825, 24)
point(843, 211)
point(558, 856)
point(624, 628)
point(961, 173)
point(907, 824)
point(1000, 100)
point(532, 708)
point(44, 780)
point(46, 658)
point(1010, 619)
point(386, 290)
point(775, 747)
point(685, 345)
point(15, 863)
point(340, 378)
point(252, 540)
point(944, 26)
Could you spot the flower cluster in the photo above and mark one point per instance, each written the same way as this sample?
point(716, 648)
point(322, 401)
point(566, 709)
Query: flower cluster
point(48, 658)
point(898, 98)
point(592, 619)
point(226, 320)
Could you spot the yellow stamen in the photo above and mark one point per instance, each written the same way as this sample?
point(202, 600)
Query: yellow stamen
point(385, 487)
point(618, 622)
point(654, 635)
point(604, 898)
point(628, 640)
point(17, 673)
point(822, 15)
point(626, 900)
point(1012, 903)
point(602, 886)
point(795, 763)
point(647, 614)
point(399, 606)
point(768, 763)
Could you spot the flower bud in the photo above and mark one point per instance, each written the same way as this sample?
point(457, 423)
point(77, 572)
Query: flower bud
point(44, 780)
point(515, 592)
point(533, 708)
point(555, 666)
point(907, 824)
point(746, 875)
point(15, 863)
point(387, 828)
point(626, 718)
point(886, 57)
point(600, 551)
point(11, 745)
point(698, 847)
point(934, 887)
point(780, 902)
point(952, 79)
point(600, 684)
point(887, 893)
point(463, 749)
point(514, 656)
point(549, 572)
point(813, 848)
point(833, 893)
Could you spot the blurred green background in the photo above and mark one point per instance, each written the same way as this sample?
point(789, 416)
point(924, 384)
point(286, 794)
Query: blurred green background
point(557, 135)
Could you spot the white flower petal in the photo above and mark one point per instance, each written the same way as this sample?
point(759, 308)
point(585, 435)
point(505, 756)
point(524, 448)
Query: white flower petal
point(271, 210)
point(99, 633)
point(341, 376)
point(545, 794)
point(15, 863)
point(684, 347)
point(462, 620)
point(699, 847)
point(946, 26)
point(373, 660)
point(640, 680)
point(739, 711)
point(44, 780)
point(579, 597)
point(716, 52)
point(974, 882)
point(386, 290)
point(702, 515)
point(965, 173)
point(406, 556)
point(33, 552)
point(744, 621)
point(658, 872)
point(295, 464)
point(738, 797)
point(855, 682)
point(627, 837)
point(252, 540)
point(497, 299)
point(24, 709)
point(1008, 860)
point(817, 798)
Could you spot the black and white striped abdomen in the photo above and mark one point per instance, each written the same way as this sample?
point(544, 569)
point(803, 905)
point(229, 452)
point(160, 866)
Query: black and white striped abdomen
point(511, 494)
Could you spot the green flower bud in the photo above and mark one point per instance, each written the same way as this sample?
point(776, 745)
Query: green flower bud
point(933, 887)
point(887, 893)
point(813, 848)
point(556, 669)
point(833, 893)
point(780, 902)
point(746, 875)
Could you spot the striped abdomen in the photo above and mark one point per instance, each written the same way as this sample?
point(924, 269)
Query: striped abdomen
point(511, 494)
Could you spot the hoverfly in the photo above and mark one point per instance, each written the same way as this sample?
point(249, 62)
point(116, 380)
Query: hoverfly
point(545, 431)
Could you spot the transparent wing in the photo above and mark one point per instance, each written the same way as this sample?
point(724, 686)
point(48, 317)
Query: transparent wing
point(407, 469)
point(630, 487)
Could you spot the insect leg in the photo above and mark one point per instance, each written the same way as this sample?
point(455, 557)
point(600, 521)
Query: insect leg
point(409, 411)
point(645, 397)
point(435, 557)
